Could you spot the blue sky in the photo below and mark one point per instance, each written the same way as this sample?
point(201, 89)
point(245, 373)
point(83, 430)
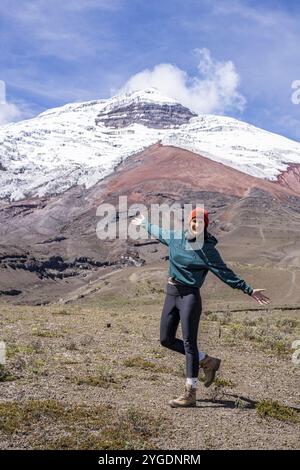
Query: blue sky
point(232, 57)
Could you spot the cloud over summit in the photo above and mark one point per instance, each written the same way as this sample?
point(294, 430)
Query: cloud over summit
point(214, 88)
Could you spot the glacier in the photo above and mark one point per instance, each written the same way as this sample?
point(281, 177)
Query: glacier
point(81, 143)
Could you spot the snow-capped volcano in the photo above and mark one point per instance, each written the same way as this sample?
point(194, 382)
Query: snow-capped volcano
point(81, 143)
point(148, 108)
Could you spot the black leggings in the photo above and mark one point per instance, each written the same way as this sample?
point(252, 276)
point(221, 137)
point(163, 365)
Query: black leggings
point(182, 303)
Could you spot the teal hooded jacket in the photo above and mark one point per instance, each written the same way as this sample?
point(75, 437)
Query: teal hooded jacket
point(190, 266)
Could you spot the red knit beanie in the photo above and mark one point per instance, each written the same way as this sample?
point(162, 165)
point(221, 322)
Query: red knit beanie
point(199, 211)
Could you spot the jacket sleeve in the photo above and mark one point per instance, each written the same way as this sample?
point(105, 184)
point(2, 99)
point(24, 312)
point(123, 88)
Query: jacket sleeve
point(161, 234)
point(216, 265)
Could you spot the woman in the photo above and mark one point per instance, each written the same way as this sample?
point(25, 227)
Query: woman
point(188, 268)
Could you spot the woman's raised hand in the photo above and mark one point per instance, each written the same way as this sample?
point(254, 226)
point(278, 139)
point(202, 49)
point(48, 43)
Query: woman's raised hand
point(138, 219)
point(260, 297)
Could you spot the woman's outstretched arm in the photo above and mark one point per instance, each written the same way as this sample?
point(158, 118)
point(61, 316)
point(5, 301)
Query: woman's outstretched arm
point(217, 266)
point(161, 234)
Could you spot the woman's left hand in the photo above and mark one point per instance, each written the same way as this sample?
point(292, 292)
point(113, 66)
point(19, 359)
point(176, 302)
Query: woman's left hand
point(138, 220)
point(260, 297)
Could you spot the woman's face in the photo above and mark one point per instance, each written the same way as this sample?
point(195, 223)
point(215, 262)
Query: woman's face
point(196, 226)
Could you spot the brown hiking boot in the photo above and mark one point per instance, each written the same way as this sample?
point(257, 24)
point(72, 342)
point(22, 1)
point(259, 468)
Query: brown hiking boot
point(185, 400)
point(210, 365)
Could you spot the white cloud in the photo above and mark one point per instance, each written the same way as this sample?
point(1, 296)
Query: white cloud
point(213, 90)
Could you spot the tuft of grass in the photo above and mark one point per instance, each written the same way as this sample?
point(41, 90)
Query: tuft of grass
point(281, 347)
point(211, 316)
point(6, 375)
point(158, 353)
point(287, 325)
point(15, 349)
point(266, 338)
point(101, 380)
point(38, 367)
point(71, 346)
point(102, 377)
point(62, 312)
point(153, 378)
point(47, 333)
point(226, 318)
point(79, 426)
point(14, 415)
point(221, 382)
point(141, 363)
point(273, 409)
point(180, 371)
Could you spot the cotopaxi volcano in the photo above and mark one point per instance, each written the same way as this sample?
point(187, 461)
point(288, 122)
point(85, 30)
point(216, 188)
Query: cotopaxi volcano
point(81, 143)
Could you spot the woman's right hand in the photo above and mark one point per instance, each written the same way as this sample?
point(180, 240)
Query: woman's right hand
point(138, 219)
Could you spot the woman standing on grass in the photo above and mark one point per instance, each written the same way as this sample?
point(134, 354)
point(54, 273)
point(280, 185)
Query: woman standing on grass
point(188, 268)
